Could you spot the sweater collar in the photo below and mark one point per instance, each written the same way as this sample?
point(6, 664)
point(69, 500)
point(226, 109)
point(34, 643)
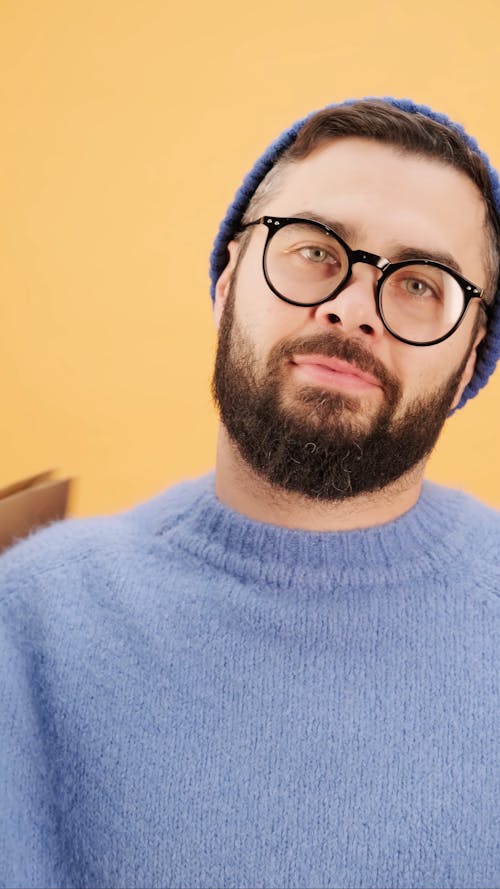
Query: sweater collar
point(432, 534)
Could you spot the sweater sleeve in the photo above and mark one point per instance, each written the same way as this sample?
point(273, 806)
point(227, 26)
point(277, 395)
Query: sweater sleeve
point(31, 847)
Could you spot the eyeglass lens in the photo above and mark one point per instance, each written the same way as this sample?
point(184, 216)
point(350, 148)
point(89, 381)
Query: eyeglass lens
point(418, 302)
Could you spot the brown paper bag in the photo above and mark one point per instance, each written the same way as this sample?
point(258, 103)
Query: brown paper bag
point(30, 503)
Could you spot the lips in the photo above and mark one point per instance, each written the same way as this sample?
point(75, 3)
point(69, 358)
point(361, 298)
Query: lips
point(335, 366)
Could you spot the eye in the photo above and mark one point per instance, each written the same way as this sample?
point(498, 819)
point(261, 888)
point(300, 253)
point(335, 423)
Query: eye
point(316, 254)
point(417, 288)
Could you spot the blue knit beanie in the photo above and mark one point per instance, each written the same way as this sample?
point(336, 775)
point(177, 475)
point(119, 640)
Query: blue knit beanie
point(489, 351)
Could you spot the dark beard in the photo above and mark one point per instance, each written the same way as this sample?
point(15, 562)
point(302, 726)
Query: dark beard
point(317, 446)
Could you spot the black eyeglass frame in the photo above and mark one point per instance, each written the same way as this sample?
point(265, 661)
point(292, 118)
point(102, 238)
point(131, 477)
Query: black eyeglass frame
point(276, 223)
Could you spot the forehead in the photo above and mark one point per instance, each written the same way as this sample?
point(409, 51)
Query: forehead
point(385, 197)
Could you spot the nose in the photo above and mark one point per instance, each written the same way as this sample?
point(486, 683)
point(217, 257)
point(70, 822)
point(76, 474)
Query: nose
point(354, 308)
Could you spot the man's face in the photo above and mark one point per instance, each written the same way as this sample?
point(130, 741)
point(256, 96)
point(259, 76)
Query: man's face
point(333, 435)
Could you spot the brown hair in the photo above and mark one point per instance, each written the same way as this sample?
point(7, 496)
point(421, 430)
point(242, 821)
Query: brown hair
point(410, 132)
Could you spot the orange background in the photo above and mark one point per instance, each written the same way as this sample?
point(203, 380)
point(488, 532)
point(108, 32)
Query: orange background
point(126, 129)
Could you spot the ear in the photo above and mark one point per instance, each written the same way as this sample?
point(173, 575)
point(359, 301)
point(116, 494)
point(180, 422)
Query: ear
point(470, 366)
point(224, 281)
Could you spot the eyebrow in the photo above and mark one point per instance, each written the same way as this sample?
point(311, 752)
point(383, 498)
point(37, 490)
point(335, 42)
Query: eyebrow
point(397, 252)
point(346, 232)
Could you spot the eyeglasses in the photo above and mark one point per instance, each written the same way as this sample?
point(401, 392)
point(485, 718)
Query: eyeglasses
point(420, 302)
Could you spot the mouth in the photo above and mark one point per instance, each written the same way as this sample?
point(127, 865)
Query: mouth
point(333, 373)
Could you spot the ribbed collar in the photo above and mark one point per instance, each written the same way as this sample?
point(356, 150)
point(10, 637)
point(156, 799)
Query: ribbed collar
point(429, 538)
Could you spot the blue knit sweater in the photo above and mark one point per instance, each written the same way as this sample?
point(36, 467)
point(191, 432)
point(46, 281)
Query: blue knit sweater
point(189, 698)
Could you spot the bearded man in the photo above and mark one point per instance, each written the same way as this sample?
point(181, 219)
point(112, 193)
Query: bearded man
point(285, 673)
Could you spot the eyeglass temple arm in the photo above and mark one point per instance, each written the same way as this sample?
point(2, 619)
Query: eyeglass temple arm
point(255, 222)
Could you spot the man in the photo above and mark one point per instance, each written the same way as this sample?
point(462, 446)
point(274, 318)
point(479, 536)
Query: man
point(286, 674)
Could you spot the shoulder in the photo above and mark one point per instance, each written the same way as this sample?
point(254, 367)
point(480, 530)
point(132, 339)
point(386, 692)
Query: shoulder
point(464, 508)
point(474, 528)
point(70, 551)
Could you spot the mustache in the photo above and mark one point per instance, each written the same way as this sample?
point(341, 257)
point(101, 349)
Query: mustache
point(335, 346)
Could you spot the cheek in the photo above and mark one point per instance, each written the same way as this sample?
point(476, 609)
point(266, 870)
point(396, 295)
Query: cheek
point(260, 326)
point(261, 316)
point(426, 369)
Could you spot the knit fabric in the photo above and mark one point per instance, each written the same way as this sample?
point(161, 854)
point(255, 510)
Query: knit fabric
point(189, 698)
point(489, 351)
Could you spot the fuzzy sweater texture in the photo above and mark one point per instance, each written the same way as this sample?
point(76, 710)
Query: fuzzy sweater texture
point(189, 698)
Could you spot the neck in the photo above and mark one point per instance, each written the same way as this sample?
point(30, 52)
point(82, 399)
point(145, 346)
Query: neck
point(239, 487)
